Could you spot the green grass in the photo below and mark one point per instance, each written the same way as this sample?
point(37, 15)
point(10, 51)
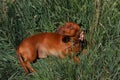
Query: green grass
point(100, 18)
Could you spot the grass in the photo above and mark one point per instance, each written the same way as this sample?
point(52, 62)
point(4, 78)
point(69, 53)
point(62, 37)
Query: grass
point(100, 19)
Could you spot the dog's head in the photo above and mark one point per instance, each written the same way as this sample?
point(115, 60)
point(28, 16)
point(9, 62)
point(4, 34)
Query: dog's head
point(71, 29)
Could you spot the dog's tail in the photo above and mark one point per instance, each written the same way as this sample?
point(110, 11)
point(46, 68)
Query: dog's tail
point(22, 62)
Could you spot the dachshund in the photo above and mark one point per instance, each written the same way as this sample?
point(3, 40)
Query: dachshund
point(42, 45)
point(77, 35)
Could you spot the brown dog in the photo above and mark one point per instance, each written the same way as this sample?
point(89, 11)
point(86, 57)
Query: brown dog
point(42, 45)
point(76, 34)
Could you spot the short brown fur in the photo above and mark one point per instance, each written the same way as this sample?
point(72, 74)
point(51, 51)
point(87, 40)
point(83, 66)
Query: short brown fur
point(40, 46)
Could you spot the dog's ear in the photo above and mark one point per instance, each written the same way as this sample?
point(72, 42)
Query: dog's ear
point(66, 39)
